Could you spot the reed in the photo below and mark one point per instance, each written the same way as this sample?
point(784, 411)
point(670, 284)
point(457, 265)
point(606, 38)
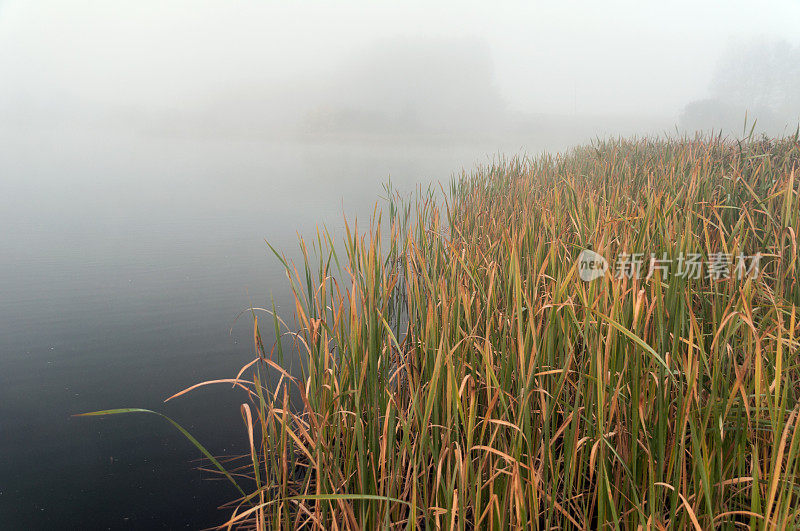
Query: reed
point(458, 373)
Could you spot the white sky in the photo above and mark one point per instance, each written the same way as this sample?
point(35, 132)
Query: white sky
point(584, 57)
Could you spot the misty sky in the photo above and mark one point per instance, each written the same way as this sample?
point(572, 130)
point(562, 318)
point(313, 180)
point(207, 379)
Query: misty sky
point(626, 58)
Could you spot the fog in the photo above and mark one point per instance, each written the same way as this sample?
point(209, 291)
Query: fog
point(147, 150)
point(516, 73)
point(758, 79)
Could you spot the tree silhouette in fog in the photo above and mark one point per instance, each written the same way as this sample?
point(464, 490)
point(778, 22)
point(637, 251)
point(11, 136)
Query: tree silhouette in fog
point(428, 85)
point(760, 78)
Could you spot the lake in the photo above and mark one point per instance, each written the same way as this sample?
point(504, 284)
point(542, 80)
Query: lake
point(124, 259)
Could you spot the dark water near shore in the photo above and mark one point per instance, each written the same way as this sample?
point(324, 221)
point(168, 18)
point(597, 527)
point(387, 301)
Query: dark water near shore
point(123, 262)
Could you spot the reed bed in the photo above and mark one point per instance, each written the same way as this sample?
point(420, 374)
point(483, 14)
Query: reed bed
point(458, 373)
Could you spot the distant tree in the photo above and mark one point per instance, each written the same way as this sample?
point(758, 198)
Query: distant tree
point(428, 84)
point(712, 114)
point(760, 74)
point(759, 79)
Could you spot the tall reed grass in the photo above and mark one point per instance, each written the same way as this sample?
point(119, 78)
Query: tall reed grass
point(457, 372)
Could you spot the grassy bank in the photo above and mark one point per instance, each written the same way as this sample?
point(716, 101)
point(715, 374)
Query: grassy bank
point(459, 373)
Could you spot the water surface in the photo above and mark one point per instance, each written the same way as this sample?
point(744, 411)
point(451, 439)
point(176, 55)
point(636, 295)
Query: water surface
point(124, 259)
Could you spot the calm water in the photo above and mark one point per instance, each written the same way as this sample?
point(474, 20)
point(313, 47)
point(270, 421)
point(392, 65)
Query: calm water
point(123, 262)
